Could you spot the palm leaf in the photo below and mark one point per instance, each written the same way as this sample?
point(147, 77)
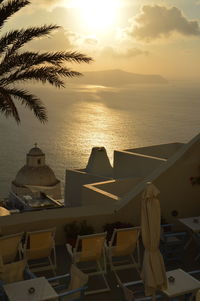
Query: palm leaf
point(44, 74)
point(15, 66)
point(32, 59)
point(18, 38)
point(30, 101)
point(7, 106)
point(9, 8)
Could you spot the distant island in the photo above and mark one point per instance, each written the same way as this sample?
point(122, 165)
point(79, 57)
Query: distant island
point(118, 77)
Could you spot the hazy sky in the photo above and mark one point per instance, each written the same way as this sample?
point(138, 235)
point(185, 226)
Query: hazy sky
point(161, 37)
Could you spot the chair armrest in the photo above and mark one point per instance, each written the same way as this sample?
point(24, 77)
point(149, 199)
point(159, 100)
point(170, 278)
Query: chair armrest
point(194, 272)
point(172, 234)
point(166, 225)
point(133, 283)
point(77, 290)
point(148, 298)
point(58, 277)
point(59, 285)
point(28, 274)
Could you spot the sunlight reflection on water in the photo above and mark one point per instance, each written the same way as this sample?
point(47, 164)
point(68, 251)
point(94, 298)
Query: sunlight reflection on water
point(98, 125)
point(81, 117)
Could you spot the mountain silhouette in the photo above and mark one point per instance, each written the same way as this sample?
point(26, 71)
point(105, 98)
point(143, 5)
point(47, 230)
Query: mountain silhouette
point(119, 77)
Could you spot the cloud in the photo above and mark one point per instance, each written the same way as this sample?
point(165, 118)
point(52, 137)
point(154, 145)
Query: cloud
point(79, 40)
point(49, 3)
point(158, 21)
point(59, 40)
point(64, 40)
point(128, 53)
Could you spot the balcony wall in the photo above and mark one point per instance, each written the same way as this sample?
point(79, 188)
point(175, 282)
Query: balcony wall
point(107, 192)
point(172, 179)
point(128, 164)
point(74, 180)
point(164, 151)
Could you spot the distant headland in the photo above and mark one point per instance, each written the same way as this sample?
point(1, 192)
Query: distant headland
point(119, 77)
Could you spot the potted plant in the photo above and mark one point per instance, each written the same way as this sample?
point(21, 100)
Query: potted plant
point(72, 231)
point(85, 229)
point(109, 228)
point(75, 228)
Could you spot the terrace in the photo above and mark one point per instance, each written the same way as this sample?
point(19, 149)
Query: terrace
point(186, 261)
point(120, 199)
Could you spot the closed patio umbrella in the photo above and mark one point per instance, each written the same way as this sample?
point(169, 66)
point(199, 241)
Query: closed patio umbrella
point(153, 269)
point(4, 211)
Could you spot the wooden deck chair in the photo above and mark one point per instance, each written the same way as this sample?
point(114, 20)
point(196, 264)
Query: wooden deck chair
point(172, 243)
point(70, 287)
point(122, 247)
point(39, 250)
point(10, 247)
point(13, 272)
point(134, 291)
point(90, 249)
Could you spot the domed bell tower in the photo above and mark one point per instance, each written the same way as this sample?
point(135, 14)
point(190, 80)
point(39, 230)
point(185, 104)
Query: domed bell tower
point(36, 177)
point(35, 157)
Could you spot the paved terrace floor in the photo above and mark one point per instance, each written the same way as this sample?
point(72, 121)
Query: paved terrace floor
point(186, 262)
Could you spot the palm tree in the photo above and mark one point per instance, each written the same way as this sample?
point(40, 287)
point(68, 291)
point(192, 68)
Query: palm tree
point(17, 65)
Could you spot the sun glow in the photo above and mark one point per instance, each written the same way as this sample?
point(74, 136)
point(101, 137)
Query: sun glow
point(98, 15)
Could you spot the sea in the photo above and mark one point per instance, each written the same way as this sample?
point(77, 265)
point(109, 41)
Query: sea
point(83, 116)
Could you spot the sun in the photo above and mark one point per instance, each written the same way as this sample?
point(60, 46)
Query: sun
point(98, 15)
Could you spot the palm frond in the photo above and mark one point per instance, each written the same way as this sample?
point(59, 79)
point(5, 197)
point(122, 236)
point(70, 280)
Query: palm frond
point(7, 106)
point(32, 59)
point(76, 57)
point(15, 65)
point(9, 8)
point(17, 38)
point(30, 101)
point(44, 74)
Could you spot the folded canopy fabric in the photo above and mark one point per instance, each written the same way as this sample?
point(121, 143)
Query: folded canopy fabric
point(153, 270)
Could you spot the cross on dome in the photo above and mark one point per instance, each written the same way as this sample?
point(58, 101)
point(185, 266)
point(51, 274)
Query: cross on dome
point(36, 144)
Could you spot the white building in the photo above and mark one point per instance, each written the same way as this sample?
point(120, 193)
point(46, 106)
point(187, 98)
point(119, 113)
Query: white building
point(36, 177)
point(169, 166)
point(98, 169)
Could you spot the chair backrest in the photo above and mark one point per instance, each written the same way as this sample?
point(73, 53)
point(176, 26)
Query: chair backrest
point(77, 279)
point(9, 247)
point(126, 240)
point(38, 244)
point(12, 272)
point(92, 246)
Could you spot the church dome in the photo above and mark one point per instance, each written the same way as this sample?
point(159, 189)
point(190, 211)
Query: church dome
point(35, 172)
point(35, 151)
point(35, 176)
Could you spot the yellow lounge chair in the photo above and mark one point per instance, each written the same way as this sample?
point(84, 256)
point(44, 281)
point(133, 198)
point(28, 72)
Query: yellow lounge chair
point(39, 250)
point(122, 247)
point(10, 247)
point(90, 249)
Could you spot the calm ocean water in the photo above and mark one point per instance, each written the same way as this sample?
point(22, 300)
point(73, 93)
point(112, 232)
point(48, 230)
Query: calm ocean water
point(81, 117)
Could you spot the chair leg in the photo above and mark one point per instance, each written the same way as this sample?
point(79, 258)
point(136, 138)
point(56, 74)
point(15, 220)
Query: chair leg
point(100, 272)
